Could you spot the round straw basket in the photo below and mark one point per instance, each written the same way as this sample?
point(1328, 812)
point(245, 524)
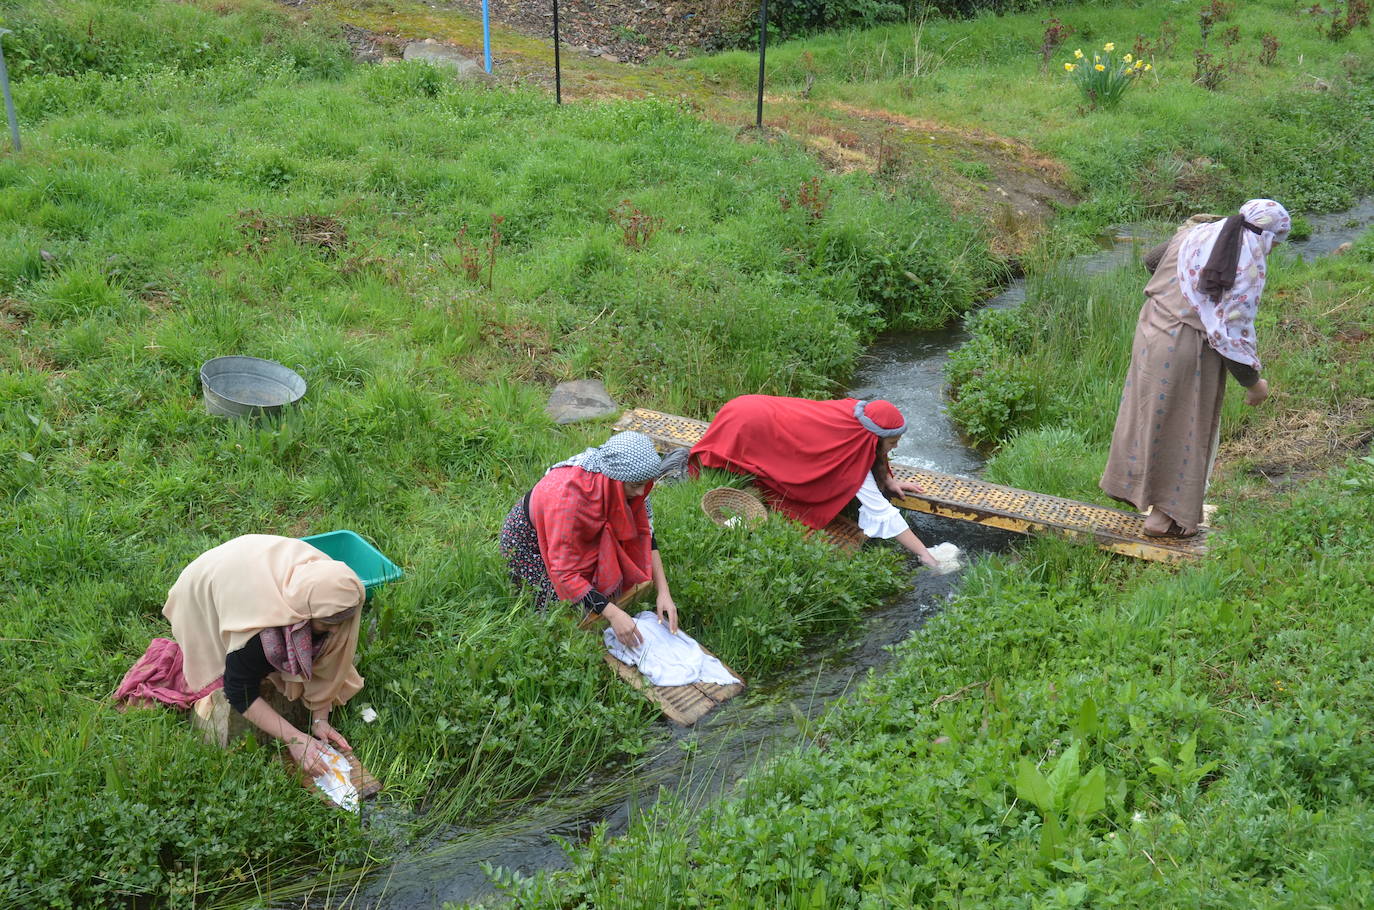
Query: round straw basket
point(727, 506)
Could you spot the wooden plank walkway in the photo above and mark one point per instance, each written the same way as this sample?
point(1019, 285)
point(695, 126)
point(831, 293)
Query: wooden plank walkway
point(681, 704)
point(977, 501)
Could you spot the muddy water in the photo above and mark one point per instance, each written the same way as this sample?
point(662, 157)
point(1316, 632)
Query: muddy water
point(699, 763)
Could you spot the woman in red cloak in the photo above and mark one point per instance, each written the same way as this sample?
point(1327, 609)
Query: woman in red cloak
point(815, 457)
point(585, 533)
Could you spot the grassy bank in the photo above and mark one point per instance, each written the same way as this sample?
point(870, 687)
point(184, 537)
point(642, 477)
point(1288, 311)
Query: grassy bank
point(1294, 127)
point(171, 206)
point(1080, 730)
point(201, 179)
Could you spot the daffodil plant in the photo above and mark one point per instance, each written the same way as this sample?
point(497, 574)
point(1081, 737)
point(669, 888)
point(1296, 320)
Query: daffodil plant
point(1104, 78)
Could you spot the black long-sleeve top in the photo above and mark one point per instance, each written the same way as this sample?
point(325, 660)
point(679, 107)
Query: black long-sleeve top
point(244, 671)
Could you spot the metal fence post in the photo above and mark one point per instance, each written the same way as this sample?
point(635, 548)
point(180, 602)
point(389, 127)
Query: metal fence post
point(557, 65)
point(9, 100)
point(486, 35)
point(763, 48)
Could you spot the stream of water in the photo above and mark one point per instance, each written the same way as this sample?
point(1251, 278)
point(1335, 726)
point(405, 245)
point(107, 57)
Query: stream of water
point(698, 763)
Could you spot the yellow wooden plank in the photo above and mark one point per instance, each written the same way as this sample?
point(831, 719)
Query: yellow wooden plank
point(966, 499)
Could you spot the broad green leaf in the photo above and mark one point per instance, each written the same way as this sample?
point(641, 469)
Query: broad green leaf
point(1032, 786)
point(1091, 796)
point(1187, 755)
point(1051, 838)
point(1064, 775)
point(1086, 723)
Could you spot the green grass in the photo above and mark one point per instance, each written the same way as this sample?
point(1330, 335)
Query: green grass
point(1073, 730)
point(198, 182)
point(1077, 729)
point(1145, 157)
point(177, 210)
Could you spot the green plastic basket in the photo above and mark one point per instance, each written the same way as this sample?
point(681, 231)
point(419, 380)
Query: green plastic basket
point(362, 557)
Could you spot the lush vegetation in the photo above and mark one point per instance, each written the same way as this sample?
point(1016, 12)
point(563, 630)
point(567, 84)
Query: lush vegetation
point(1180, 141)
point(1072, 731)
point(201, 179)
point(1076, 730)
point(268, 197)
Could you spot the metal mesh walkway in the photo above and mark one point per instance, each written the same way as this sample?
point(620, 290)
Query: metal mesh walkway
point(977, 501)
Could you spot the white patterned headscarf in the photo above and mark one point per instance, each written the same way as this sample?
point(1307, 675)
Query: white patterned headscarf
point(628, 457)
point(1229, 319)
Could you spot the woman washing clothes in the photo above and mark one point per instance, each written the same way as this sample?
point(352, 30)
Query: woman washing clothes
point(1197, 324)
point(584, 533)
point(815, 457)
point(260, 607)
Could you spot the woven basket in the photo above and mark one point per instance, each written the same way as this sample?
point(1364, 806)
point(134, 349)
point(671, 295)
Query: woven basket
point(726, 504)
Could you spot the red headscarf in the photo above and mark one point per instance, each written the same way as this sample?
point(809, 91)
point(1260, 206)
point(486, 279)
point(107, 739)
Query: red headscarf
point(589, 535)
point(811, 455)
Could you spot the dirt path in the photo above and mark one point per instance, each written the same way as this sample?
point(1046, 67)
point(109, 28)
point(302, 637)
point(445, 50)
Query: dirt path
point(979, 174)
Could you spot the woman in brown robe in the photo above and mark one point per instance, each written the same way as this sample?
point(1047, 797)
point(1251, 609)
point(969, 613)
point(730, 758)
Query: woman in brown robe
point(1196, 325)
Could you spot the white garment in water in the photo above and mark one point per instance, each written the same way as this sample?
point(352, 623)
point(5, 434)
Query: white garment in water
point(948, 558)
point(666, 659)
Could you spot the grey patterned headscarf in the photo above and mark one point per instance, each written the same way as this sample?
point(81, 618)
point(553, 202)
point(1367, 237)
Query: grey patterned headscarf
point(628, 457)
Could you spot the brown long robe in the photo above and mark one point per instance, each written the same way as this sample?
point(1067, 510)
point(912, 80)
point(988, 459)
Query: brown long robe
point(1167, 426)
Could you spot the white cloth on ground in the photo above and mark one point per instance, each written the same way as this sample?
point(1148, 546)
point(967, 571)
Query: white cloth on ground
point(336, 783)
point(666, 659)
point(878, 518)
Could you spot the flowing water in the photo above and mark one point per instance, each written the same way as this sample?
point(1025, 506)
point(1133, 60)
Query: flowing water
point(698, 763)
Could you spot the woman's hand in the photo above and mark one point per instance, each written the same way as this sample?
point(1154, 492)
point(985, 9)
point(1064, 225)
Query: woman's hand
point(307, 754)
point(908, 488)
point(321, 730)
point(623, 626)
point(1255, 395)
point(667, 611)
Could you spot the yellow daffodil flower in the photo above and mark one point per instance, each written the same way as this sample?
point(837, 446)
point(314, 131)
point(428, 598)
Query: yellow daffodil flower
point(1078, 55)
point(1109, 47)
point(1097, 58)
point(1099, 67)
point(1139, 64)
point(1069, 67)
point(1148, 67)
point(1128, 58)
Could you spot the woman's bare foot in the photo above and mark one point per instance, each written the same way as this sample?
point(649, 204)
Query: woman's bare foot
point(1157, 523)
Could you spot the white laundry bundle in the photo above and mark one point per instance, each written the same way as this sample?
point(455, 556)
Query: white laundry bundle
point(947, 557)
point(336, 783)
point(666, 659)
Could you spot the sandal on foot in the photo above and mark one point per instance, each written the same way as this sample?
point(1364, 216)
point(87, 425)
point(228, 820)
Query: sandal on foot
point(1175, 530)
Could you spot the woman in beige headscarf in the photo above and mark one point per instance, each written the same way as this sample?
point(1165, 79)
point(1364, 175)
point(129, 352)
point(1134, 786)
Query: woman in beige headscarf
point(261, 606)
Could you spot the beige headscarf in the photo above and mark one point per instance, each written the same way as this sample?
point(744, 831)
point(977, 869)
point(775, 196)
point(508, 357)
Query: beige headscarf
point(260, 581)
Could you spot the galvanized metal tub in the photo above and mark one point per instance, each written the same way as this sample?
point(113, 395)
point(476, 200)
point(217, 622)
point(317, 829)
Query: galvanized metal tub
point(248, 386)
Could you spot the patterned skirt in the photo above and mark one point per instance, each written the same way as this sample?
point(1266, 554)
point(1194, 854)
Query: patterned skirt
point(520, 547)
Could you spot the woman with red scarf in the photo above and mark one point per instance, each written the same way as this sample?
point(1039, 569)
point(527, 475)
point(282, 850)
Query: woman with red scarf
point(815, 457)
point(585, 533)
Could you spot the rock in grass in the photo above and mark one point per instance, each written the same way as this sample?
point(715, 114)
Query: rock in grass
point(432, 51)
point(581, 399)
